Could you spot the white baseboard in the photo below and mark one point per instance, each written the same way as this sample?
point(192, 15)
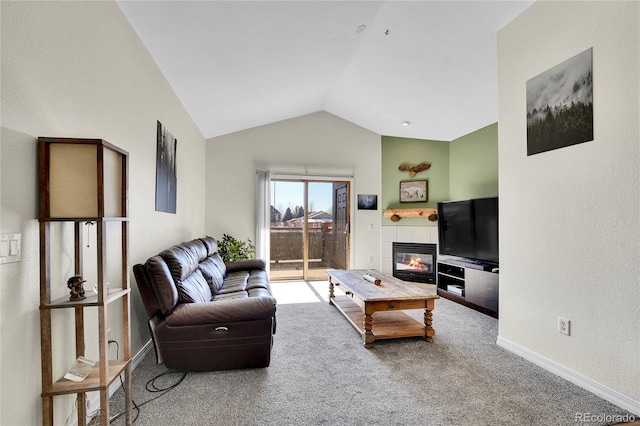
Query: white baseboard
point(604, 392)
point(94, 405)
point(137, 358)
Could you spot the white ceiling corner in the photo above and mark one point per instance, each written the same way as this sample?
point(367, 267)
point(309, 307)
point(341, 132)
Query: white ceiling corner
point(242, 64)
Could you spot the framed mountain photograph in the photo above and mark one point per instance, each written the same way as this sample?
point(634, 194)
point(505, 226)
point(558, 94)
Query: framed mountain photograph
point(560, 105)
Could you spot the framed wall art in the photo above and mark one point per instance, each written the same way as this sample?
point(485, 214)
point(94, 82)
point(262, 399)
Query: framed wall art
point(367, 202)
point(560, 105)
point(166, 181)
point(413, 191)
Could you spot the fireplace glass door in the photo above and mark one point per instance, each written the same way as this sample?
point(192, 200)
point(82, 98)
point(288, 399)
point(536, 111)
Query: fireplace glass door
point(414, 262)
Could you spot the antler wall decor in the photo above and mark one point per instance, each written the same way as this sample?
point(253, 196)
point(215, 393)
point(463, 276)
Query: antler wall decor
point(414, 169)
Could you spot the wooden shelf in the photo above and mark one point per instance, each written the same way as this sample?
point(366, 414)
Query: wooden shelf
point(395, 215)
point(386, 324)
point(85, 180)
point(91, 300)
point(91, 383)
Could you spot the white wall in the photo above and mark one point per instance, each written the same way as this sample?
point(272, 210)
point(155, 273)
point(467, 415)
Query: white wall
point(318, 143)
point(77, 69)
point(569, 228)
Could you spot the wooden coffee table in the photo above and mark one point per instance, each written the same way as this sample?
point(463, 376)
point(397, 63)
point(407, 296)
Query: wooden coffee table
point(362, 299)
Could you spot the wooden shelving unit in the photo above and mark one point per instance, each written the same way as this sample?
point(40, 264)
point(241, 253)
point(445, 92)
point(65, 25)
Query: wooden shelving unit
point(84, 180)
point(395, 215)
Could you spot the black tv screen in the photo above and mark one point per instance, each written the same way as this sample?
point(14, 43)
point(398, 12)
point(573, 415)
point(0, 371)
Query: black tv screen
point(469, 229)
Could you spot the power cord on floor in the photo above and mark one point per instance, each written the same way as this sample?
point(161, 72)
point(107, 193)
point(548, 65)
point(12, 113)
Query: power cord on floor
point(150, 387)
point(153, 388)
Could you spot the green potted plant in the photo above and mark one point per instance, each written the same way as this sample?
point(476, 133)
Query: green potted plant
point(231, 249)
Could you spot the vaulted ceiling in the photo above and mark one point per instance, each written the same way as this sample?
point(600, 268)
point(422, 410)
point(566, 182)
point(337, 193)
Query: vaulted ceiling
point(242, 64)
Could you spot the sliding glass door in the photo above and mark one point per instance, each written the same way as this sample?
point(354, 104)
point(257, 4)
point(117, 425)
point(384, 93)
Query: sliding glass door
point(309, 230)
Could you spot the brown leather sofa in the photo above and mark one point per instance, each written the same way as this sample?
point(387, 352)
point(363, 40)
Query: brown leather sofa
point(204, 314)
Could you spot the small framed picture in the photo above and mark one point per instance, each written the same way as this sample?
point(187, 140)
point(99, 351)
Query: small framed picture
point(413, 191)
point(367, 202)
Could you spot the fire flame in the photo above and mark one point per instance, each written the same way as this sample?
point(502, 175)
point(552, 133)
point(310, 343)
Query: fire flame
point(416, 263)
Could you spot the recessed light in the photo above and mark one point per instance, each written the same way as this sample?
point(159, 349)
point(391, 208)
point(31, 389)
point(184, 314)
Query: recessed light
point(361, 28)
point(405, 123)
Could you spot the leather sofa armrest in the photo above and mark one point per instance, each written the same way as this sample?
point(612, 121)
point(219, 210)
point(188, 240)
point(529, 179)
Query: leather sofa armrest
point(222, 311)
point(246, 265)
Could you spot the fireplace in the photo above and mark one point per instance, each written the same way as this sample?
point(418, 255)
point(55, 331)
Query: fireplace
point(415, 262)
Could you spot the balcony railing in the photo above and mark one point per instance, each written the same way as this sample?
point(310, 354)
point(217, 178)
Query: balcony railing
point(326, 251)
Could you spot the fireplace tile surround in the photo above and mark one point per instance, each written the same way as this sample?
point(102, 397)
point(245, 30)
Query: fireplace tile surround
point(403, 234)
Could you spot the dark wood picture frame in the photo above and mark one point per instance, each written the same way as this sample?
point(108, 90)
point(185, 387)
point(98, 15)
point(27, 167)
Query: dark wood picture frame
point(414, 191)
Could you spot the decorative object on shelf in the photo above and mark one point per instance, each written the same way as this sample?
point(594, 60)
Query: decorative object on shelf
point(396, 214)
point(80, 369)
point(75, 285)
point(372, 279)
point(367, 202)
point(232, 249)
point(560, 105)
point(413, 191)
point(166, 181)
point(95, 287)
point(413, 170)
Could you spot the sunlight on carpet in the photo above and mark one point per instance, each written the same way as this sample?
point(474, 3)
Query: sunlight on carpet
point(301, 291)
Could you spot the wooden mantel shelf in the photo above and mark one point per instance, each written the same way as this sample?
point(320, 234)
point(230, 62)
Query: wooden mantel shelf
point(396, 214)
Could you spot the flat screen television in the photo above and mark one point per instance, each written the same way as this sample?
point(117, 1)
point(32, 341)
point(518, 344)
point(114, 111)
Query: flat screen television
point(469, 229)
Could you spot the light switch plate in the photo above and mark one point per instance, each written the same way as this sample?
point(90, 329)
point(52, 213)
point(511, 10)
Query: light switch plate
point(10, 247)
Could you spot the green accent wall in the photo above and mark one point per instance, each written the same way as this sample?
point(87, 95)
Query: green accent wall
point(464, 168)
point(396, 151)
point(473, 165)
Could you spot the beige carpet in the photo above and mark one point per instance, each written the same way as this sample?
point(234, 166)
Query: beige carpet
point(321, 374)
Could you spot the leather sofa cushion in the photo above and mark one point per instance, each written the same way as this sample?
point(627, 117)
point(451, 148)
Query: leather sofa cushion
point(246, 265)
point(210, 244)
point(258, 292)
point(224, 311)
point(181, 261)
point(258, 279)
point(241, 284)
point(194, 289)
point(232, 295)
point(162, 284)
point(213, 270)
point(235, 282)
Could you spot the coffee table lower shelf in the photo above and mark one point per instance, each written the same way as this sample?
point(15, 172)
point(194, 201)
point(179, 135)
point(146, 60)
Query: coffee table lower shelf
point(386, 324)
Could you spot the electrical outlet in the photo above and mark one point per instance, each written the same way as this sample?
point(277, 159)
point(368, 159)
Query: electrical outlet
point(93, 404)
point(564, 326)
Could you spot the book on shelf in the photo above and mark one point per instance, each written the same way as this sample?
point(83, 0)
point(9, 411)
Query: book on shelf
point(80, 369)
